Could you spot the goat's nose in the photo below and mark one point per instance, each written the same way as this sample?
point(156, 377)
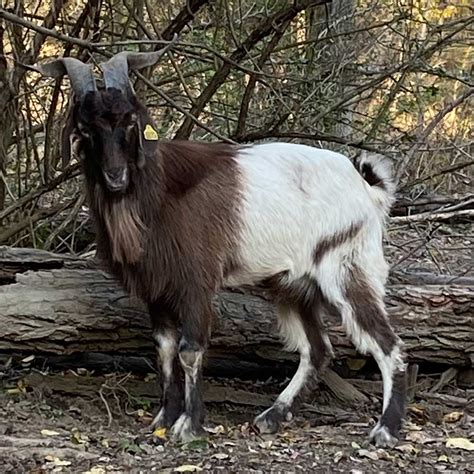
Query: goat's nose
point(116, 174)
point(116, 177)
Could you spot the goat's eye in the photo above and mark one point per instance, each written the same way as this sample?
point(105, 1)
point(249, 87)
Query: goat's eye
point(85, 132)
point(130, 127)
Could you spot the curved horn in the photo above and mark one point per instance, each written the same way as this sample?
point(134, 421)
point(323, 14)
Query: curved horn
point(80, 74)
point(116, 69)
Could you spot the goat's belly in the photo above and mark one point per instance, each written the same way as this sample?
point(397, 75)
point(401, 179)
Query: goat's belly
point(261, 259)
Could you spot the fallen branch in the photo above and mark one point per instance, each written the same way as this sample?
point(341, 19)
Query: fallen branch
point(67, 307)
point(461, 215)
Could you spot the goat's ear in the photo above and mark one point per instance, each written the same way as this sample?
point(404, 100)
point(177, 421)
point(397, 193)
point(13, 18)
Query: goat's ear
point(70, 140)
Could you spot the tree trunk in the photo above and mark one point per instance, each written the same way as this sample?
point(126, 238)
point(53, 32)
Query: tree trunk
point(58, 305)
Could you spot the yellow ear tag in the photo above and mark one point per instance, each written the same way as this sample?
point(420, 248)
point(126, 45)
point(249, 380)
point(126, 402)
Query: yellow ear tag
point(150, 133)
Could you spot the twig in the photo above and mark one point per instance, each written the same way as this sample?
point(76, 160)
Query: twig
point(181, 109)
point(446, 377)
point(40, 215)
point(72, 215)
point(68, 173)
point(46, 31)
point(109, 413)
point(450, 169)
point(266, 133)
point(261, 31)
point(432, 125)
point(450, 400)
point(464, 214)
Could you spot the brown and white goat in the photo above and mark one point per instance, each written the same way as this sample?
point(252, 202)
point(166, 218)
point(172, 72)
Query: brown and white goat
point(177, 220)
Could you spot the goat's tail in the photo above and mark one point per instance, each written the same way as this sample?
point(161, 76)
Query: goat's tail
point(377, 171)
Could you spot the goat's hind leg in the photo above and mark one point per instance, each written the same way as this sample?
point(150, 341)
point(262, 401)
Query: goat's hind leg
point(165, 335)
point(302, 330)
point(364, 316)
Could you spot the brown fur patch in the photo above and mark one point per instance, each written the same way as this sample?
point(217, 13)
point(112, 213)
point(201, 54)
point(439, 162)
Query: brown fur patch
point(393, 416)
point(125, 230)
point(368, 173)
point(176, 227)
point(173, 232)
point(369, 311)
point(336, 240)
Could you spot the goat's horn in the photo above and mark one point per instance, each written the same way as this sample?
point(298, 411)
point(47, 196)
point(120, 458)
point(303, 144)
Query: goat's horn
point(80, 74)
point(116, 69)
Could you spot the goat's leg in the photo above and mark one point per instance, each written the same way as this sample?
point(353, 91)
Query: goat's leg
point(364, 317)
point(302, 330)
point(165, 335)
point(192, 346)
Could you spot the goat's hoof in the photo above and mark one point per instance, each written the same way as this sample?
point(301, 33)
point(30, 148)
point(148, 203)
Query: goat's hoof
point(382, 438)
point(183, 430)
point(270, 420)
point(164, 419)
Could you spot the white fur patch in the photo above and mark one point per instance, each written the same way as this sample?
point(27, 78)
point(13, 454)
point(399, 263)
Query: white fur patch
point(291, 330)
point(295, 196)
point(182, 429)
point(298, 381)
point(167, 349)
point(382, 437)
point(382, 168)
point(295, 339)
point(158, 421)
point(191, 373)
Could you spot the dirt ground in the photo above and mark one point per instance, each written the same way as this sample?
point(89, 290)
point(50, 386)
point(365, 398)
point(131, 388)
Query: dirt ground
point(80, 423)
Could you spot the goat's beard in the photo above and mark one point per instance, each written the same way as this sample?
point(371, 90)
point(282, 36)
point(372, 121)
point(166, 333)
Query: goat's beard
point(125, 229)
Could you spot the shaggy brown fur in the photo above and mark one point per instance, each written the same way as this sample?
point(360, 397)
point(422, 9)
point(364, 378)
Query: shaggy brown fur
point(173, 231)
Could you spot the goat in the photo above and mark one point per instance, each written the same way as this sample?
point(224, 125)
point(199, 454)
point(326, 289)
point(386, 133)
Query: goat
point(177, 220)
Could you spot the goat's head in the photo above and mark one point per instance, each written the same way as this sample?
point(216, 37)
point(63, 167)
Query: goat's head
point(105, 126)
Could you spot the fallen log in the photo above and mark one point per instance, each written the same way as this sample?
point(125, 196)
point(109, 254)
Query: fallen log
point(56, 306)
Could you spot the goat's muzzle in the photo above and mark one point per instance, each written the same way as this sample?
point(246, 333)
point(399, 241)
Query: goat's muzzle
point(116, 179)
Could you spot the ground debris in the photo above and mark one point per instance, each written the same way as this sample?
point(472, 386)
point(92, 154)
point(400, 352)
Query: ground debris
point(71, 434)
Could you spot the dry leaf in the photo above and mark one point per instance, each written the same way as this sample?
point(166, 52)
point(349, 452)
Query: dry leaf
point(79, 438)
point(188, 468)
point(49, 433)
point(356, 364)
point(365, 453)
point(338, 456)
point(219, 429)
point(419, 437)
point(13, 391)
point(355, 445)
point(452, 417)
point(407, 448)
point(160, 433)
point(266, 444)
point(460, 443)
point(60, 462)
point(220, 456)
point(95, 470)
point(443, 458)
point(413, 426)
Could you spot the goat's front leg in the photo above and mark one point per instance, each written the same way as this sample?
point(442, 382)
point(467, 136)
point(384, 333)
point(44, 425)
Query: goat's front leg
point(192, 346)
point(166, 337)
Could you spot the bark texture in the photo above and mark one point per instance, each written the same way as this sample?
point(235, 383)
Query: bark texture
point(55, 305)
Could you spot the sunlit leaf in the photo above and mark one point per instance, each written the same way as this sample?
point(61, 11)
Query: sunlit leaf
point(188, 468)
point(460, 443)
